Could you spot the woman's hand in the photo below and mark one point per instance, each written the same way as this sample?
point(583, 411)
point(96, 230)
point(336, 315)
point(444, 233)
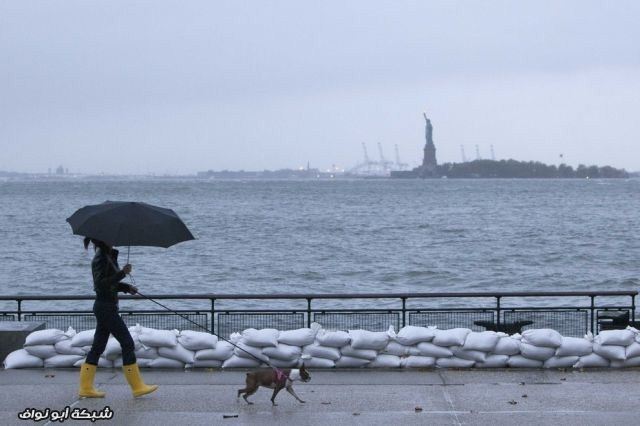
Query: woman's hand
point(132, 289)
point(127, 269)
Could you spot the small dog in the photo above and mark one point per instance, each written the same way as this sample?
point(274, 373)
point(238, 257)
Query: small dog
point(276, 380)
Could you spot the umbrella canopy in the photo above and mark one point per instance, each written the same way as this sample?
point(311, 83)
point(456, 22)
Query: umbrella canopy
point(127, 223)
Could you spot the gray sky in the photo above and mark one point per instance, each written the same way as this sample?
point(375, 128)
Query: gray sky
point(178, 87)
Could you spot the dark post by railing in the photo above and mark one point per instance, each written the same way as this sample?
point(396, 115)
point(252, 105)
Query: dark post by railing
point(404, 311)
point(19, 310)
point(213, 313)
point(308, 312)
point(498, 314)
point(593, 314)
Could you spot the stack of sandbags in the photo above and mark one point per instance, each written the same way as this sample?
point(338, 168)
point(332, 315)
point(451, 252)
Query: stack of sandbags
point(325, 350)
point(615, 348)
point(249, 347)
point(406, 346)
point(363, 348)
point(412, 347)
point(288, 351)
point(44, 344)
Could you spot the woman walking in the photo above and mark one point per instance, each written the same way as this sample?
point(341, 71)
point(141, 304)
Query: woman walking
point(106, 283)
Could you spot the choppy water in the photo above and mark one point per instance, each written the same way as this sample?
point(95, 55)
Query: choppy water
point(339, 236)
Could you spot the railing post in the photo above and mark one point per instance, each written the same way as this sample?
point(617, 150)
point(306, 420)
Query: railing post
point(19, 309)
point(593, 310)
point(498, 313)
point(213, 314)
point(633, 310)
point(404, 311)
point(308, 312)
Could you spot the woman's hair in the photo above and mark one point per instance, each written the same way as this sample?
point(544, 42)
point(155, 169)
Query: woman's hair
point(96, 243)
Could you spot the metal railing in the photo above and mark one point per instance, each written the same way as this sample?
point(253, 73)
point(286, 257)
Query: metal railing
point(571, 313)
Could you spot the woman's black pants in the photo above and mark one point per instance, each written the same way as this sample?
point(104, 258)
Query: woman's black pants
point(109, 322)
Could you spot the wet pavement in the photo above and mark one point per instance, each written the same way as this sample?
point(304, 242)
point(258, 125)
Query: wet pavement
point(447, 397)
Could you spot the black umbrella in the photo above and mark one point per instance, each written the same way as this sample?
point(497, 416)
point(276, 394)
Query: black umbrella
point(127, 223)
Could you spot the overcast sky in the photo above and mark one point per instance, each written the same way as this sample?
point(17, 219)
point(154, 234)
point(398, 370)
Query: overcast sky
point(178, 87)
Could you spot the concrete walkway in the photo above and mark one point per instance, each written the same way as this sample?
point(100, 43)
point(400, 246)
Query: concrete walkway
point(447, 397)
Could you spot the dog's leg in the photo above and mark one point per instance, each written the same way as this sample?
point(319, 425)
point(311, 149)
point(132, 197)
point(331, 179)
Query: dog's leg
point(275, 392)
point(251, 386)
point(249, 392)
point(291, 391)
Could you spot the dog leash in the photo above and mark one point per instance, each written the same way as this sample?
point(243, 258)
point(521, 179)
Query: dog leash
point(278, 371)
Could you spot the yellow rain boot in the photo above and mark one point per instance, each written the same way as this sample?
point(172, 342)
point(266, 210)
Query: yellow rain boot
point(86, 389)
point(138, 387)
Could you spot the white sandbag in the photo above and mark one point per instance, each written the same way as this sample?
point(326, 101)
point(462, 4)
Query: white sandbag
point(368, 354)
point(137, 329)
point(472, 355)
point(415, 361)
point(250, 352)
point(318, 351)
point(62, 361)
point(376, 340)
point(178, 352)
point(431, 350)
point(22, 359)
point(197, 340)
point(395, 348)
point(518, 361)
point(235, 338)
point(385, 361)
point(561, 361)
point(112, 350)
point(239, 362)
point(454, 362)
point(299, 337)
point(484, 341)
point(283, 352)
point(50, 336)
point(451, 337)
point(222, 352)
point(574, 346)
point(632, 351)
point(83, 338)
point(412, 335)
point(162, 362)
point(41, 351)
point(147, 352)
point(102, 363)
point(64, 347)
point(610, 352)
point(206, 363)
point(542, 337)
point(282, 363)
point(142, 362)
point(494, 361)
point(158, 338)
point(507, 346)
point(260, 338)
point(591, 361)
point(539, 353)
point(319, 363)
point(629, 362)
point(334, 339)
point(615, 337)
point(351, 362)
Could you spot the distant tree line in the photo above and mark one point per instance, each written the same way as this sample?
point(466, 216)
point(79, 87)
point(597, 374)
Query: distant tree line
point(525, 169)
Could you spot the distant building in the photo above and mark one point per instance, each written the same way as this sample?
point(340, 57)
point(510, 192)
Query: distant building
point(60, 170)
